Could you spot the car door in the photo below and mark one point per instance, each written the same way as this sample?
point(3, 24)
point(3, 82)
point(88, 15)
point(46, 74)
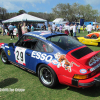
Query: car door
point(23, 49)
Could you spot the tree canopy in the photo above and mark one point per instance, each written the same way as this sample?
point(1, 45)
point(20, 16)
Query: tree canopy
point(72, 13)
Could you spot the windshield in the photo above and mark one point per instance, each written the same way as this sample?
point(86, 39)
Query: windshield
point(65, 42)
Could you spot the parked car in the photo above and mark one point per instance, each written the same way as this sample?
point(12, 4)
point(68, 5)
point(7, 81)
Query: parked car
point(90, 39)
point(55, 57)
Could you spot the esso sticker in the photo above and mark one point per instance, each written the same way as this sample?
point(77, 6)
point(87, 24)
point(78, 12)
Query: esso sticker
point(55, 62)
point(42, 56)
point(83, 71)
point(20, 55)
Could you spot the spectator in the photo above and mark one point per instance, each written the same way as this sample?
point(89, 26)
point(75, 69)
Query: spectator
point(19, 31)
point(83, 27)
point(14, 25)
point(60, 28)
point(49, 27)
point(3, 29)
point(97, 27)
point(32, 28)
point(89, 28)
point(79, 28)
point(44, 26)
point(53, 27)
point(71, 29)
point(74, 30)
point(94, 27)
point(11, 27)
point(67, 28)
point(24, 28)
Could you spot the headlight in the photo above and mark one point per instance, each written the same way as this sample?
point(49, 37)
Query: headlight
point(80, 76)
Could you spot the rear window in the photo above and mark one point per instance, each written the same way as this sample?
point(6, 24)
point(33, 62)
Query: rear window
point(65, 42)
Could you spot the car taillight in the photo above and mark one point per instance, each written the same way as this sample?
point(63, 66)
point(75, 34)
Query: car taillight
point(76, 76)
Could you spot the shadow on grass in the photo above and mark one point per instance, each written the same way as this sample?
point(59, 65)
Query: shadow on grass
point(90, 91)
point(7, 82)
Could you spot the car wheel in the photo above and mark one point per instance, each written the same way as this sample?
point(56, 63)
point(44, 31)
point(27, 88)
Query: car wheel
point(47, 76)
point(99, 44)
point(94, 37)
point(4, 57)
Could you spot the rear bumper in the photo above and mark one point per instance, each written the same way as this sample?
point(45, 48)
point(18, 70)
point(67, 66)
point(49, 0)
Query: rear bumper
point(95, 80)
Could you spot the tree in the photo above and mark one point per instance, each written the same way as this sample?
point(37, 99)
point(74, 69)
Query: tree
point(21, 12)
point(74, 12)
point(3, 12)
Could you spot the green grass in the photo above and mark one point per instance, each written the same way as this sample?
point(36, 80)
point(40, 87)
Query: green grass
point(12, 77)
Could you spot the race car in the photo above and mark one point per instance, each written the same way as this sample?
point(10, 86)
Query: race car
point(90, 39)
point(54, 57)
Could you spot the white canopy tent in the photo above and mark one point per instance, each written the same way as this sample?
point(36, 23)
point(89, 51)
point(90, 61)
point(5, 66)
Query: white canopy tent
point(59, 21)
point(24, 17)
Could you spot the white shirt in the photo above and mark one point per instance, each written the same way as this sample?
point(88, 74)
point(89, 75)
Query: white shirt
point(71, 27)
point(79, 26)
point(74, 29)
point(67, 27)
point(89, 28)
point(53, 27)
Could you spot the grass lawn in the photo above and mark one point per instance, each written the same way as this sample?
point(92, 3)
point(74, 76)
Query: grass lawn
point(13, 78)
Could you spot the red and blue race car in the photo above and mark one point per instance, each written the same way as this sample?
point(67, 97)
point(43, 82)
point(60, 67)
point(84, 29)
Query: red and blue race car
point(55, 57)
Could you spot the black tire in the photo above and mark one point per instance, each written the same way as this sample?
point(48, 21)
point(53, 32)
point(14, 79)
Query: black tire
point(94, 37)
point(47, 76)
point(99, 44)
point(4, 57)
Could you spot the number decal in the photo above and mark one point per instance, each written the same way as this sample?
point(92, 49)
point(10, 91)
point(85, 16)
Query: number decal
point(17, 53)
point(20, 55)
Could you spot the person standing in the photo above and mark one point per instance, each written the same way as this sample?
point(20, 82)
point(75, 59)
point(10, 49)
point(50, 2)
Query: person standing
point(24, 28)
point(32, 28)
point(53, 27)
point(74, 30)
point(79, 28)
point(67, 28)
point(3, 29)
point(60, 28)
point(89, 28)
point(44, 26)
point(83, 27)
point(71, 29)
point(49, 28)
point(11, 27)
point(19, 31)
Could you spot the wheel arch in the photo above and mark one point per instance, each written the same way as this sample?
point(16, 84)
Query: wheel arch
point(54, 68)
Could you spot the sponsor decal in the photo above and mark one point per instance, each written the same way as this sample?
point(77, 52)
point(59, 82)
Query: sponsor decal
point(20, 55)
point(94, 59)
point(83, 71)
point(9, 52)
point(63, 62)
point(42, 56)
point(55, 62)
point(95, 67)
point(6, 46)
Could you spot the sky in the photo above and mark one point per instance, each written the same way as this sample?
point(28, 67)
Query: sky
point(44, 6)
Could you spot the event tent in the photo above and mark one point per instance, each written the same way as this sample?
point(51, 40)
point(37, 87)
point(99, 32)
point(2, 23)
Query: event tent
point(24, 17)
point(59, 21)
